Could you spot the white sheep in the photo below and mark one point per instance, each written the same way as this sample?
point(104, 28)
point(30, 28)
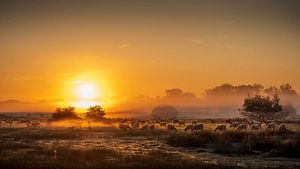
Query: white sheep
point(197, 127)
point(271, 126)
point(188, 127)
point(171, 127)
point(282, 127)
point(234, 124)
point(241, 127)
point(220, 127)
point(124, 127)
point(256, 126)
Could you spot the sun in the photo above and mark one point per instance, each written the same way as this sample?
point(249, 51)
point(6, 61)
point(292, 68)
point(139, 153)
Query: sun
point(86, 91)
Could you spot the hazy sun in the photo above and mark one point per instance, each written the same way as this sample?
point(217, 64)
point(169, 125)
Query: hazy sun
point(86, 91)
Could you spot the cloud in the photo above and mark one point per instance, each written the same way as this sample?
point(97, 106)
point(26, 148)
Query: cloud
point(125, 45)
point(73, 82)
point(12, 105)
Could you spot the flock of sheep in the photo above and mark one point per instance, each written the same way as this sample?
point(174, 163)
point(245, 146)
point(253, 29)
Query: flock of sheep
point(196, 126)
point(12, 123)
point(170, 125)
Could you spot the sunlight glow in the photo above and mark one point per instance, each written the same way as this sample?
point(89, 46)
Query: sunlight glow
point(86, 91)
point(85, 104)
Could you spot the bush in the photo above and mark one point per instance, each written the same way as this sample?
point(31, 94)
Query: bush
point(64, 113)
point(95, 113)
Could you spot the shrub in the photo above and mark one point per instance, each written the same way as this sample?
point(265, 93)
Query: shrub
point(64, 113)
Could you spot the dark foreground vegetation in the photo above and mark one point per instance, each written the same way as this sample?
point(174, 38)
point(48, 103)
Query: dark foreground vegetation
point(65, 148)
point(266, 143)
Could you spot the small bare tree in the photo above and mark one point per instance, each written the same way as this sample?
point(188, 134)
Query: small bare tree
point(262, 109)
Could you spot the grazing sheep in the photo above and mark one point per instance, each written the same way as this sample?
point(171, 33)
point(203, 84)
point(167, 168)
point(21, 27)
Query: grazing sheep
point(271, 126)
point(163, 124)
point(188, 127)
point(124, 127)
point(220, 127)
point(35, 124)
point(197, 127)
point(144, 127)
point(241, 127)
point(171, 127)
point(142, 122)
point(135, 125)
point(194, 122)
point(255, 126)
point(151, 126)
point(181, 123)
point(282, 127)
point(234, 124)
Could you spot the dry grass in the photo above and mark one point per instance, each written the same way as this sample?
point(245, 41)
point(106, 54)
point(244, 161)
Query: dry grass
point(270, 143)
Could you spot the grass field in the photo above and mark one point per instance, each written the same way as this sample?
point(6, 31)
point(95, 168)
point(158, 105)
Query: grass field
point(105, 146)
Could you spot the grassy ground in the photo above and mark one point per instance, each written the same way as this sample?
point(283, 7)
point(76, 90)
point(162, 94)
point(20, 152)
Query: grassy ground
point(267, 143)
point(108, 147)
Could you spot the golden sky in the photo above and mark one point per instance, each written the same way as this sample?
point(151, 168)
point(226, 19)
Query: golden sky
point(49, 49)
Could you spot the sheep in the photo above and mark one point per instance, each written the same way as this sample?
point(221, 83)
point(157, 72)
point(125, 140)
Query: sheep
point(181, 123)
point(144, 127)
point(188, 127)
point(194, 122)
point(163, 124)
point(241, 127)
point(135, 125)
point(271, 126)
point(220, 127)
point(255, 126)
point(124, 127)
point(171, 127)
point(282, 127)
point(234, 124)
point(151, 126)
point(197, 127)
point(35, 124)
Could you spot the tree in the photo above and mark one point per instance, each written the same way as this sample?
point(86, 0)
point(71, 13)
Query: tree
point(263, 108)
point(271, 91)
point(95, 113)
point(164, 112)
point(174, 93)
point(64, 113)
point(287, 89)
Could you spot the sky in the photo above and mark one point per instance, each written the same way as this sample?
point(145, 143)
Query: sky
point(51, 50)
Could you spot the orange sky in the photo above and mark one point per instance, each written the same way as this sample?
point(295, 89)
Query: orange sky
point(127, 48)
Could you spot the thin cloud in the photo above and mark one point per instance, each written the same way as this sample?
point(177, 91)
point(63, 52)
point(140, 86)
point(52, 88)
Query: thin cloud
point(125, 45)
point(73, 82)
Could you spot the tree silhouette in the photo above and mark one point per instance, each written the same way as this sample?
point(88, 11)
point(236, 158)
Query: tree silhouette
point(287, 89)
point(262, 108)
point(95, 113)
point(164, 111)
point(64, 113)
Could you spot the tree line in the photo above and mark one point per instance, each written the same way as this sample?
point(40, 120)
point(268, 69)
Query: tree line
point(93, 113)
